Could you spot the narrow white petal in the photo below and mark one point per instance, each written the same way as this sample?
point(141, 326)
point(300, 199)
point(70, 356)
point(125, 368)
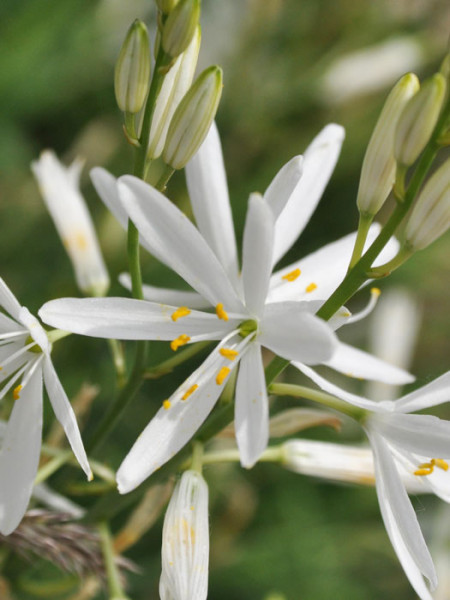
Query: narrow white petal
point(106, 187)
point(37, 332)
point(283, 185)
point(357, 363)
point(294, 333)
point(7, 326)
point(65, 415)
point(400, 519)
point(8, 301)
point(166, 295)
point(208, 192)
point(19, 456)
point(426, 435)
point(252, 407)
point(257, 253)
point(432, 394)
point(45, 495)
point(174, 240)
point(130, 319)
point(319, 161)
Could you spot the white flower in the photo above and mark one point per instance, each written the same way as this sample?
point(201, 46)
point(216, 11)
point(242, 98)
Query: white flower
point(185, 543)
point(25, 357)
point(60, 189)
point(421, 443)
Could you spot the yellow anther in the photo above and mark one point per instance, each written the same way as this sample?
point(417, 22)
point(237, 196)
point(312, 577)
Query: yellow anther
point(16, 392)
point(375, 291)
point(311, 287)
point(167, 404)
point(424, 469)
point(292, 276)
point(440, 463)
point(181, 340)
point(228, 353)
point(222, 375)
point(189, 392)
point(183, 311)
point(221, 313)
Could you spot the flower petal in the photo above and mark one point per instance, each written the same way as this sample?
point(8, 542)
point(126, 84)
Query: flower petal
point(174, 240)
point(19, 456)
point(65, 415)
point(283, 185)
point(288, 329)
point(432, 394)
point(257, 253)
point(319, 161)
point(8, 301)
point(360, 364)
point(106, 187)
point(208, 192)
point(130, 319)
point(252, 407)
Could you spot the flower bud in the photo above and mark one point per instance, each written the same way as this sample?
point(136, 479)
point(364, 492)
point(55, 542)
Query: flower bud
point(193, 118)
point(185, 541)
point(166, 6)
point(175, 85)
point(430, 217)
point(180, 27)
point(378, 170)
point(418, 119)
point(132, 73)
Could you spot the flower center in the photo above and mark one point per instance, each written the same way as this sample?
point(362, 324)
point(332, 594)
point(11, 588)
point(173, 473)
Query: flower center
point(248, 327)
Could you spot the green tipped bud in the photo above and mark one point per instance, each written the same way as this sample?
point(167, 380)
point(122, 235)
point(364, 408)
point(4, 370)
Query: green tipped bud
point(418, 120)
point(430, 217)
point(132, 74)
point(193, 118)
point(166, 6)
point(180, 27)
point(378, 170)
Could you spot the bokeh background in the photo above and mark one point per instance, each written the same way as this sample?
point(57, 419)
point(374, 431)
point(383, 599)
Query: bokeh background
point(290, 67)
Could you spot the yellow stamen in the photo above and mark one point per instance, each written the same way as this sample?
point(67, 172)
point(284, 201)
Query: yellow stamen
point(16, 392)
point(293, 275)
point(221, 313)
point(181, 340)
point(311, 287)
point(183, 311)
point(228, 353)
point(424, 469)
point(167, 404)
point(222, 375)
point(375, 291)
point(440, 463)
point(189, 392)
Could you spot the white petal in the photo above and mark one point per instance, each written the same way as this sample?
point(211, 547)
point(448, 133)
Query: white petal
point(319, 161)
point(252, 407)
point(400, 519)
point(257, 253)
point(166, 295)
point(37, 332)
point(208, 192)
point(7, 325)
point(8, 301)
point(360, 364)
point(65, 415)
point(290, 331)
point(106, 187)
point(170, 429)
point(19, 456)
point(421, 434)
point(45, 495)
point(283, 185)
point(432, 394)
point(175, 241)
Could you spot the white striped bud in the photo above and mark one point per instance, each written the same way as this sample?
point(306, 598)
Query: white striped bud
point(378, 170)
point(418, 119)
point(132, 73)
point(430, 217)
point(180, 27)
point(193, 118)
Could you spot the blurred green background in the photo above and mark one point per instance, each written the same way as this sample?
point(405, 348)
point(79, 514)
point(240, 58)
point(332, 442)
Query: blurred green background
point(284, 79)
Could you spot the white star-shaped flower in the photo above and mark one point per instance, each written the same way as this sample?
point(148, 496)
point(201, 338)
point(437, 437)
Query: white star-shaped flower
point(25, 358)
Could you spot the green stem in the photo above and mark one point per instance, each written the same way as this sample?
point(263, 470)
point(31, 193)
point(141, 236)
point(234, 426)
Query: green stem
point(119, 361)
point(52, 466)
point(168, 365)
point(387, 268)
point(112, 573)
point(197, 457)
point(365, 222)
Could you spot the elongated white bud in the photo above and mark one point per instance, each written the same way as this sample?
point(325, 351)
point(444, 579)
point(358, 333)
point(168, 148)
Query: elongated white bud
point(132, 73)
point(180, 27)
point(418, 119)
point(430, 217)
point(193, 118)
point(185, 541)
point(60, 189)
point(378, 170)
point(175, 85)
point(166, 6)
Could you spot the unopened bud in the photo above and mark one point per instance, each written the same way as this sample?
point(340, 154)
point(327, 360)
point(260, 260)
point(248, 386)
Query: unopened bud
point(175, 85)
point(180, 27)
point(132, 74)
point(378, 170)
point(418, 120)
point(193, 118)
point(293, 420)
point(430, 217)
point(166, 6)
